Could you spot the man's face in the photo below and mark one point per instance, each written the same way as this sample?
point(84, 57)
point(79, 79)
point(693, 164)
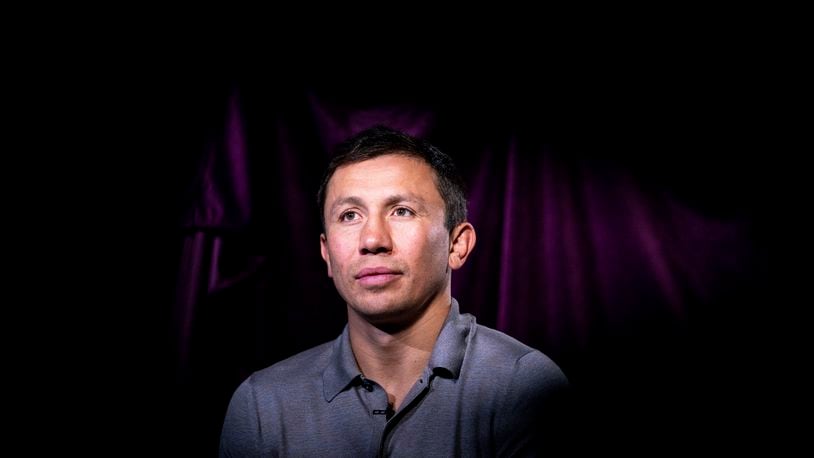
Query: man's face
point(385, 242)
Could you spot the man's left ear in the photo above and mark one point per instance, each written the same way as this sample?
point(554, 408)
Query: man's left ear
point(462, 241)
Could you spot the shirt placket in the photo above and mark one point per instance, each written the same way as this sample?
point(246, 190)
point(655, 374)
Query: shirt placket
point(375, 402)
point(414, 397)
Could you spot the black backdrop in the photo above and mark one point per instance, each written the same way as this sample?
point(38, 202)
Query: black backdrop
point(619, 212)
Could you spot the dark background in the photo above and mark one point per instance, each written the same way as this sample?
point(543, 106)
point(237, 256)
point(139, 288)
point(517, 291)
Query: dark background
point(651, 150)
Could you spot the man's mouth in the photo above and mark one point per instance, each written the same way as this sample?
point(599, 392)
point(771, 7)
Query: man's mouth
point(376, 276)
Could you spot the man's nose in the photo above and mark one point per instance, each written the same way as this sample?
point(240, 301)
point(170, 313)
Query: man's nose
point(375, 237)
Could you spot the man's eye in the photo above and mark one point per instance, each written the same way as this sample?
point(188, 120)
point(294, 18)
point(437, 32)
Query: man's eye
point(348, 216)
point(403, 212)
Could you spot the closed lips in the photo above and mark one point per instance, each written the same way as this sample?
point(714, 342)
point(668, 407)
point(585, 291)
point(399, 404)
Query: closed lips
point(376, 271)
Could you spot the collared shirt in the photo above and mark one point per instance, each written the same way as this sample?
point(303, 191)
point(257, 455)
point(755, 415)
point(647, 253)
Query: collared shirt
point(482, 393)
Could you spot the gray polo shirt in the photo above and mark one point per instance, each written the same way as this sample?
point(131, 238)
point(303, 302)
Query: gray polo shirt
point(483, 393)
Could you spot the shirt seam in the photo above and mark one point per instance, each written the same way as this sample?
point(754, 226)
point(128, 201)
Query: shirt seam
point(503, 399)
point(259, 435)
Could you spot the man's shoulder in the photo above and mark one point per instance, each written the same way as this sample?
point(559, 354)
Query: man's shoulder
point(494, 344)
point(502, 352)
point(306, 364)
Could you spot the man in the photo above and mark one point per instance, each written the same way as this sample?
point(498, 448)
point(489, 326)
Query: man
point(410, 375)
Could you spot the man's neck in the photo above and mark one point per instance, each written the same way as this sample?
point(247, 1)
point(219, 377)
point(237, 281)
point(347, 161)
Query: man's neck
point(395, 360)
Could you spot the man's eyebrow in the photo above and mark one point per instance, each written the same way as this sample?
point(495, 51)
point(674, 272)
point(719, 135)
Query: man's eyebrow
point(390, 200)
point(350, 200)
point(396, 198)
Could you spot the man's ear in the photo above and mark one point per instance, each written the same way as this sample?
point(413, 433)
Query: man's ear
point(323, 248)
point(462, 241)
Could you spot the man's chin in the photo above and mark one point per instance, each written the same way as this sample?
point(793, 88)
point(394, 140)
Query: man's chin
point(389, 317)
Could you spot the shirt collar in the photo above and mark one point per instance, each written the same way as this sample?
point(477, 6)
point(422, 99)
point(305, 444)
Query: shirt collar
point(342, 369)
point(448, 354)
point(446, 358)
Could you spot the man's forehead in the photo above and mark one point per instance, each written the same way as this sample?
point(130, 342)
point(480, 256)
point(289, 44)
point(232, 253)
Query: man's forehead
point(406, 177)
point(396, 161)
point(384, 171)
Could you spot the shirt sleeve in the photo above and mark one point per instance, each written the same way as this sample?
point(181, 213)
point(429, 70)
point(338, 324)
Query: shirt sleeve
point(533, 418)
point(241, 428)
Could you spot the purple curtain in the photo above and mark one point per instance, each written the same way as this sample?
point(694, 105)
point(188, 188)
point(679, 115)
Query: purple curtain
point(602, 245)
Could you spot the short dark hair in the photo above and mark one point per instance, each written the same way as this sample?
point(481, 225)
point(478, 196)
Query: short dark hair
point(380, 141)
